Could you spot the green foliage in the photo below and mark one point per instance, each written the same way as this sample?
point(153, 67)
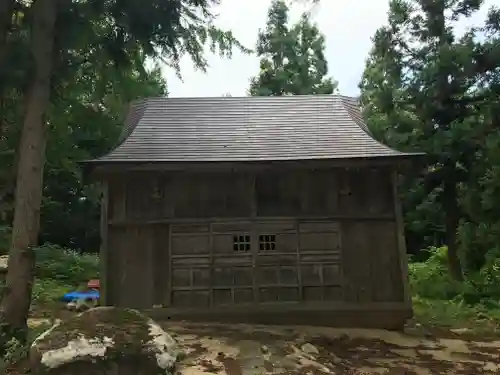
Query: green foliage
point(430, 279)
point(425, 88)
point(99, 67)
point(16, 351)
point(65, 266)
point(4, 239)
point(292, 57)
point(441, 301)
point(96, 104)
point(59, 271)
point(479, 319)
point(89, 103)
point(47, 293)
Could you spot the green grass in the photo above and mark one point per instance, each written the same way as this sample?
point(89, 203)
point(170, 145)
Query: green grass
point(59, 271)
point(49, 292)
point(441, 302)
point(450, 315)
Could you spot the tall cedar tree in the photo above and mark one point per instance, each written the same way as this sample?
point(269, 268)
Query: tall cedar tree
point(88, 101)
point(159, 29)
point(29, 186)
point(292, 58)
point(421, 91)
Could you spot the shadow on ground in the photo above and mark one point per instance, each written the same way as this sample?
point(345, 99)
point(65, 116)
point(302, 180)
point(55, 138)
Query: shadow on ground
point(258, 350)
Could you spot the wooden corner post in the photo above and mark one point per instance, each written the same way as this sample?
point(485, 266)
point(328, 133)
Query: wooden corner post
point(403, 258)
point(103, 256)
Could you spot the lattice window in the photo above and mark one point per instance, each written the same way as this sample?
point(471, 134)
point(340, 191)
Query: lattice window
point(267, 242)
point(241, 243)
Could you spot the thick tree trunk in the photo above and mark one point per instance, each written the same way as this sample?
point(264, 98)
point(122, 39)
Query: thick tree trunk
point(6, 9)
point(8, 189)
point(14, 307)
point(452, 218)
point(6, 12)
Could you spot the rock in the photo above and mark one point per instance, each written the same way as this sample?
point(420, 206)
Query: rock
point(81, 304)
point(460, 331)
point(309, 348)
point(4, 261)
point(104, 341)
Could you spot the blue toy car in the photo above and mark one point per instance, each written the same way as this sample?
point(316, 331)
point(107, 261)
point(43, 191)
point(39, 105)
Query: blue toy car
point(88, 295)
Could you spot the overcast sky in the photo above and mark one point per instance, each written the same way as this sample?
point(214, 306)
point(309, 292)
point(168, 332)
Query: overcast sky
point(347, 26)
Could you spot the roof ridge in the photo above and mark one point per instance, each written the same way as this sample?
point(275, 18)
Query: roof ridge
point(348, 103)
point(247, 97)
point(136, 111)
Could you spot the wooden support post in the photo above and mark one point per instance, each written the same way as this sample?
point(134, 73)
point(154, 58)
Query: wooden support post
point(403, 258)
point(103, 289)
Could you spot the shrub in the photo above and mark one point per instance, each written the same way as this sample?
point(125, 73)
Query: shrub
point(15, 350)
point(46, 291)
point(486, 283)
point(430, 279)
point(5, 232)
point(65, 266)
point(456, 314)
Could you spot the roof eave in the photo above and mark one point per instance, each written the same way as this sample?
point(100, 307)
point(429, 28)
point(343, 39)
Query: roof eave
point(101, 161)
point(102, 165)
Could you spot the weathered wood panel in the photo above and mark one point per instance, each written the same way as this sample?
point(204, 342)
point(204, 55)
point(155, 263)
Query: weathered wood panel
point(383, 258)
point(190, 252)
point(278, 194)
point(211, 195)
point(240, 263)
point(276, 262)
point(370, 262)
point(114, 265)
point(117, 198)
point(381, 199)
point(103, 251)
point(356, 266)
point(228, 239)
point(232, 263)
point(130, 275)
point(320, 261)
point(402, 254)
point(161, 263)
point(353, 193)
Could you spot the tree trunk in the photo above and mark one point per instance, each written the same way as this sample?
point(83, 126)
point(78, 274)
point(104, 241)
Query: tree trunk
point(6, 12)
point(6, 9)
point(452, 218)
point(15, 305)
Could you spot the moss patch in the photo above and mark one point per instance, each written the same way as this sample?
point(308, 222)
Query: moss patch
point(104, 334)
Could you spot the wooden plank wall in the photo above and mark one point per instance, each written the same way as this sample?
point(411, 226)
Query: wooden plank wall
point(162, 227)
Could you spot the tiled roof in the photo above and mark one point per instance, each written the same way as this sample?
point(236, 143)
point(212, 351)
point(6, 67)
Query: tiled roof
point(302, 127)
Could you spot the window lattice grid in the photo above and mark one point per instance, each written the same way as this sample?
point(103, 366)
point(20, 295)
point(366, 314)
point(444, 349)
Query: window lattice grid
point(241, 243)
point(267, 242)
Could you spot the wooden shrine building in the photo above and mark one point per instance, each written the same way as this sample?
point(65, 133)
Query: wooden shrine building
point(254, 209)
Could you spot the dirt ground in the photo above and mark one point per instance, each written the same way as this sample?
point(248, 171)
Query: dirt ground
point(257, 350)
point(223, 349)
